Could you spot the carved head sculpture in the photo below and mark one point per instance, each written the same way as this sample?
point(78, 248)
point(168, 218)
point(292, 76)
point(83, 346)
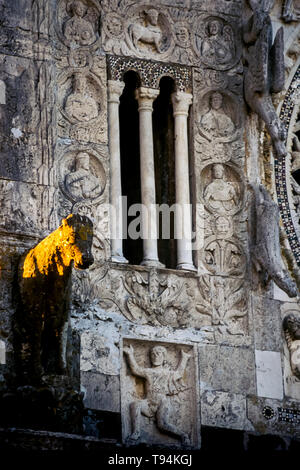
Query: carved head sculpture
point(152, 16)
point(213, 28)
point(158, 355)
point(182, 34)
point(216, 100)
point(82, 161)
point(217, 171)
point(77, 8)
point(115, 26)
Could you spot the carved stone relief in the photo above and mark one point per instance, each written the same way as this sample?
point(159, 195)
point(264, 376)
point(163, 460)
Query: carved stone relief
point(223, 256)
point(82, 176)
point(159, 394)
point(148, 32)
point(81, 100)
point(218, 117)
point(291, 349)
point(291, 328)
point(77, 22)
point(215, 42)
point(222, 191)
point(156, 300)
point(290, 10)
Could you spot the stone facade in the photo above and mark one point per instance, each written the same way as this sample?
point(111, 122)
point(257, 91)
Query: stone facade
point(224, 314)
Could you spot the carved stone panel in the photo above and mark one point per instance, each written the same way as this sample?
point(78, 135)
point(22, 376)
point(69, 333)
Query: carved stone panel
point(82, 100)
point(148, 32)
point(82, 176)
point(222, 191)
point(291, 332)
point(77, 22)
point(215, 42)
point(159, 396)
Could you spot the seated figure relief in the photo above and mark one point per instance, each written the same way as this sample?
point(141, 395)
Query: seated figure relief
point(81, 183)
point(161, 383)
point(80, 105)
point(218, 43)
point(78, 30)
point(216, 122)
point(220, 195)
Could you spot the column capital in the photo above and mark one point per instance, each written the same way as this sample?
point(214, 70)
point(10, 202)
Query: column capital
point(145, 97)
point(181, 103)
point(115, 89)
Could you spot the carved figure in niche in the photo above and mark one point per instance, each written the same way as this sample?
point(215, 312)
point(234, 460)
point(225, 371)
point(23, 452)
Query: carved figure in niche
point(151, 33)
point(44, 281)
point(264, 71)
point(81, 183)
point(291, 10)
point(161, 383)
point(78, 29)
point(220, 195)
point(217, 46)
point(80, 105)
point(215, 121)
point(266, 251)
point(291, 328)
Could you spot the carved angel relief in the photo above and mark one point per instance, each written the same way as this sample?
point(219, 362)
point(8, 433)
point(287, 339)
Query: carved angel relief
point(215, 43)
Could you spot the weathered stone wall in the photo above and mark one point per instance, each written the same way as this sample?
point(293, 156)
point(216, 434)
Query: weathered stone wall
point(56, 58)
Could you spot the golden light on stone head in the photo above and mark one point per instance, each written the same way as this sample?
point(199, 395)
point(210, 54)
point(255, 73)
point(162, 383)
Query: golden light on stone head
point(71, 242)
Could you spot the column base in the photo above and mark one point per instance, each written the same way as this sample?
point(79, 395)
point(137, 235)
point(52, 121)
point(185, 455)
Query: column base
point(118, 259)
point(186, 267)
point(152, 263)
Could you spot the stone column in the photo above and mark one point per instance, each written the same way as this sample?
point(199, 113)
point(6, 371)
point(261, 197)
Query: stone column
point(145, 97)
point(183, 222)
point(115, 89)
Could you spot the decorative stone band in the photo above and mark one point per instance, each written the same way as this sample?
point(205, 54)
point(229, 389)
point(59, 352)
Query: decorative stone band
point(150, 72)
point(280, 170)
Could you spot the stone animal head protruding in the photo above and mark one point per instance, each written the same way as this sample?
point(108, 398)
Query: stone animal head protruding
point(76, 232)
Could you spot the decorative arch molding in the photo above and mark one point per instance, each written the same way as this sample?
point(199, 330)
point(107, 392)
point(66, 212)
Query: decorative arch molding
point(150, 72)
point(282, 167)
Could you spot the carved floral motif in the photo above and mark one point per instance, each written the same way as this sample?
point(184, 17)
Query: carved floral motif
point(225, 302)
point(155, 300)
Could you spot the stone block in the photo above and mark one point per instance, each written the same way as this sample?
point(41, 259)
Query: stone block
point(227, 369)
point(102, 392)
point(224, 410)
point(98, 354)
point(267, 324)
point(269, 374)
